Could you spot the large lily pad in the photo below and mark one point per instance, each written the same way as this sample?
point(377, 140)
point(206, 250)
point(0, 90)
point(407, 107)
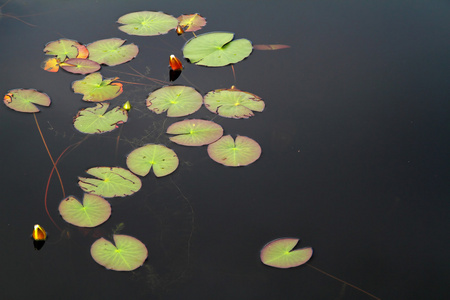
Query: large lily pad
point(110, 182)
point(147, 23)
point(80, 66)
point(278, 253)
point(229, 152)
point(216, 49)
point(96, 120)
point(95, 89)
point(92, 212)
point(128, 254)
point(163, 160)
point(62, 48)
point(233, 103)
point(111, 52)
point(23, 100)
point(195, 132)
point(177, 100)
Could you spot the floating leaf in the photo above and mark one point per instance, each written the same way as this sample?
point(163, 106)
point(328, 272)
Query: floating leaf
point(51, 65)
point(270, 47)
point(216, 49)
point(228, 152)
point(96, 120)
point(128, 254)
point(163, 160)
point(83, 52)
point(92, 212)
point(80, 66)
point(233, 103)
point(22, 100)
point(111, 182)
point(62, 48)
point(278, 253)
point(192, 22)
point(195, 132)
point(111, 52)
point(95, 89)
point(177, 100)
point(146, 23)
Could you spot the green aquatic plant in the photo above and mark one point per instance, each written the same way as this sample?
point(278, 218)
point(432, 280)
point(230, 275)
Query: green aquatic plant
point(92, 212)
point(161, 159)
point(234, 153)
point(279, 253)
point(112, 52)
point(177, 100)
point(96, 89)
point(195, 132)
point(93, 120)
point(147, 23)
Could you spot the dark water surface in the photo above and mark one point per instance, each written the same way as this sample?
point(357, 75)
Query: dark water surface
point(355, 162)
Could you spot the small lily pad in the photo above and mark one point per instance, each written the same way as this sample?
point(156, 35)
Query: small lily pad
point(127, 254)
point(229, 152)
point(163, 160)
point(147, 23)
point(233, 103)
point(111, 52)
point(177, 100)
point(23, 100)
point(92, 212)
point(96, 120)
point(80, 66)
point(191, 23)
point(62, 48)
point(278, 253)
point(195, 132)
point(95, 89)
point(110, 182)
point(216, 49)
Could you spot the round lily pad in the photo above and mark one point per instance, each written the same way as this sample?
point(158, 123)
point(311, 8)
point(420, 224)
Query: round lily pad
point(110, 182)
point(216, 49)
point(195, 132)
point(229, 152)
point(127, 254)
point(233, 103)
point(163, 160)
point(95, 89)
point(279, 254)
point(23, 100)
point(93, 120)
point(62, 48)
point(147, 23)
point(92, 212)
point(177, 100)
point(111, 52)
point(80, 66)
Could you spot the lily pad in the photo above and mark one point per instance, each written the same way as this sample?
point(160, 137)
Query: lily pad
point(96, 120)
point(80, 66)
point(147, 23)
point(163, 160)
point(128, 254)
point(110, 182)
point(92, 212)
point(229, 152)
point(278, 253)
point(216, 49)
point(23, 100)
point(195, 132)
point(111, 52)
point(177, 100)
point(95, 89)
point(62, 48)
point(233, 103)
point(192, 22)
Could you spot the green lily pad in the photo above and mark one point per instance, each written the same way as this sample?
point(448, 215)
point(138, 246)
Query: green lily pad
point(22, 100)
point(96, 120)
point(95, 89)
point(195, 132)
point(62, 48)
point(163, 160)
point(228, 152)
point(92, 212)
point(278, 253)
point(233, 103)
point(216, 49)
point(111, 52)
point(128, 254)
point(147, 23)
point(80, 66)
point(177, 100)
point(111, 182)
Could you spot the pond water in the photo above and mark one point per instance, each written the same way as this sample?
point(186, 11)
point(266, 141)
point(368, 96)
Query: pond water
point(354, 163)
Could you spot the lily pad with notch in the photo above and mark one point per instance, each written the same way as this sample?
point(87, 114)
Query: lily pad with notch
point(279, 254)
point(177, 100)
point(162, 159)
point(96, 119)
point(96, 89)
point(195, 132)
point(234, 153)
point(112, 52)
point(62, 49)
point(24, 100)
point(80, 66)
point(147, 23)
point(92, 212)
